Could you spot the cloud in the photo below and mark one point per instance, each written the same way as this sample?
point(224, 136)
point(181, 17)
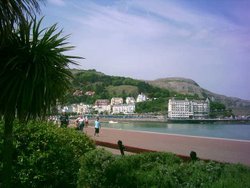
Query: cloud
point(160, 20)
point(152, 39)
point(57, 2)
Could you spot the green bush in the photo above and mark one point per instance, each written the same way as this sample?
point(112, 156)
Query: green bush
point(200, 173)
point(93, 169)
point(139, 170)
point(234, 176)
point(100, 168)
point(47, 156)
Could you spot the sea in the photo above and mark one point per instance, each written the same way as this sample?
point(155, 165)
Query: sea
point(225, 131)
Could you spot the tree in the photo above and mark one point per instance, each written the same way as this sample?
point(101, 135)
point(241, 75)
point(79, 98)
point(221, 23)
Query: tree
point(34, 74)
point(13, 12)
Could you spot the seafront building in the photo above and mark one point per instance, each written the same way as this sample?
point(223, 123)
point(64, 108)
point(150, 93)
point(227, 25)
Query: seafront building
point(141, 98)
point(114, 106)
point(116, 101)
point(123, 108)
point(130, 100)
point(201, 108)
point(102, 102)
point(187, 109)
point(102, 106)
point(82, 108)
point(119, 108)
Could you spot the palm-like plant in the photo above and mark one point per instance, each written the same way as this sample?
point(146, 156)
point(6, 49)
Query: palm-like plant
point(16, 11)
point(34, 74)
point(34, 65)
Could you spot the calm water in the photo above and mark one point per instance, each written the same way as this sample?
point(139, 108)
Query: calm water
point(230, 131)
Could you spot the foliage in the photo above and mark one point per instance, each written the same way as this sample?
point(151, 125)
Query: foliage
point(93, 169)
point(234, 176)
point(123, 91)
point(100, 169)
point(106, 87)
point(115, 171)
point(157, 105)
point(34, 74)
point(217, 106)
point(35, 68)
point(218, 109)
point(47, 156)
point(13, 12)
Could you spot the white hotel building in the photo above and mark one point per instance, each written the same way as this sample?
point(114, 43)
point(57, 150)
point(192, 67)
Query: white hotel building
point(185, 109)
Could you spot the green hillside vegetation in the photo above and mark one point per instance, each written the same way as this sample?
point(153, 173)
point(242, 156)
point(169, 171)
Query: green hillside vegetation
point(156, 105)
point(123, 90)
point(186, 86)
point(106, 87)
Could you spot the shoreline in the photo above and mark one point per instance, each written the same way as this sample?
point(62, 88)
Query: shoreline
point(175, 121)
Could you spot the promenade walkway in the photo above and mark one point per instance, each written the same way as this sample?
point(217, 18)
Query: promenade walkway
point(223, 150)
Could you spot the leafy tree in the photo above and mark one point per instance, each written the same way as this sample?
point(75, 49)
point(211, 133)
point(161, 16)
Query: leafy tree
point(217, 106)
point(219, 109)
point(34, 72)
point(157, 105)
point(12, 12)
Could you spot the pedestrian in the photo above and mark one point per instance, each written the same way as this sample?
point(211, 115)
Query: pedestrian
point(86, 121)
point(97, 126)
point(64, 119)
point(80, 123)
point(121, 147)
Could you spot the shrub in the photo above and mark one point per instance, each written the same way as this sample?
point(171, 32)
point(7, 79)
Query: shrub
point(200, 173)
point(100, 168)
point(93, 169)
point(47, 156)
point(139, 170)
point(234, 176)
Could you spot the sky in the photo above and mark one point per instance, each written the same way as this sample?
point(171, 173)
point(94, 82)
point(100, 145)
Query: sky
point(207, 41)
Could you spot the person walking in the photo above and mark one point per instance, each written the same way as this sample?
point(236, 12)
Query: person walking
point(86, 121)
point(80, 123)
point(97, 126)
point(64, 119)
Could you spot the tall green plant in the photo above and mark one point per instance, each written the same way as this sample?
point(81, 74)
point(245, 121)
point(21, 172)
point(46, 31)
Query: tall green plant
point(13, 12)
point(34, 74)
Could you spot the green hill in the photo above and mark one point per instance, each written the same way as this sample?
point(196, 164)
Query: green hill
point(90, 85)
point(106, 86)
point(189, 87)
point(121, 90)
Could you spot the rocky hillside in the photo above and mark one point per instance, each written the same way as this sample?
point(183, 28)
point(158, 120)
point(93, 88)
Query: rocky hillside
point(190, 87)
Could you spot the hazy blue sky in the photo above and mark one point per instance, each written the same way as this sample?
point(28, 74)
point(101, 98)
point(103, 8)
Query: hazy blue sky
point(204, 40)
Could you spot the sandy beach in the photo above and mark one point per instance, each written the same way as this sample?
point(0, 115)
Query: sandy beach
point(223, 150)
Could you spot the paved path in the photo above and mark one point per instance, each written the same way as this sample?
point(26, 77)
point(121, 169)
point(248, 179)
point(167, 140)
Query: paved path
point(224, 150)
